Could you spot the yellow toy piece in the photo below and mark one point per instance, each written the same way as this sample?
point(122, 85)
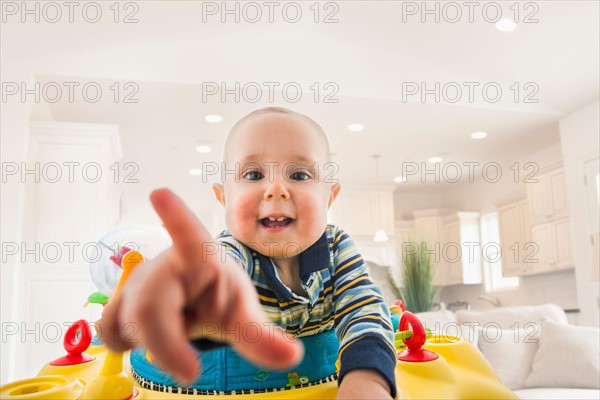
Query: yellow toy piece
point(461, 372)
point(112, 383)
point(149, 357)
point(52, 387)
point(130, 260)
point(396, 309)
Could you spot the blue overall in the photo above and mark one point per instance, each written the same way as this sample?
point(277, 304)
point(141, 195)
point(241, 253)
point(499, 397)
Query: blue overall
point(224, 370)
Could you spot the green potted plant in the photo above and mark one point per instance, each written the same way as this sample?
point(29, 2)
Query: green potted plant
point(418, 292)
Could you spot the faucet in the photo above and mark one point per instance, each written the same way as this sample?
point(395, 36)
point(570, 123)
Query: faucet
point(458, 305)
point(494, 300)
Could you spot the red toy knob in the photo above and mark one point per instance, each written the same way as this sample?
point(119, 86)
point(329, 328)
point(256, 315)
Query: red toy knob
point(77, 340)
point(417, 340)
point(73, 344)
point(414, 344)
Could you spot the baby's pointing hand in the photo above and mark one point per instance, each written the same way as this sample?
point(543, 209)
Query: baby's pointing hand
point(175, 296)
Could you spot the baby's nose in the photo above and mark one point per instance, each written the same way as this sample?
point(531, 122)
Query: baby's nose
point(276, 190)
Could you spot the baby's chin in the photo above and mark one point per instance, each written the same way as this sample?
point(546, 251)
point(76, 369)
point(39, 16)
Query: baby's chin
point(284, 248)
point(289, 251)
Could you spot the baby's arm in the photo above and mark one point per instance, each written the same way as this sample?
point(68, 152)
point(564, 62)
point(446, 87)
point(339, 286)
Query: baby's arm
point(186, 292)
point(364, 384)
point(362, 322)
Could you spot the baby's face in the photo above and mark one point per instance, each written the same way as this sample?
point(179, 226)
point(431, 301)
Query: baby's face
point(276, 201)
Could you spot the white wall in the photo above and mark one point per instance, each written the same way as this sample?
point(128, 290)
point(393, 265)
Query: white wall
point(579, 135)
point(135, 197)
point(14, 127)
point(482, 195)
point(405, 202)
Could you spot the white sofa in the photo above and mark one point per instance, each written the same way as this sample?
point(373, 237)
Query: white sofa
point(533, 349)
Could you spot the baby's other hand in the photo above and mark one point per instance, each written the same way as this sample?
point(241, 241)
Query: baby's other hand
point(187, 292)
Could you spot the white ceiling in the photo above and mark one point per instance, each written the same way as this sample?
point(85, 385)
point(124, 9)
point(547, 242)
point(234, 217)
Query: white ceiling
point(368, 54)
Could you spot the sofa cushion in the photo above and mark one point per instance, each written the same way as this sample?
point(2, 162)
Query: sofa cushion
point(434, 320)
point(443, 322)
point(558, 394)
point(568, 356)
point(510, 352)
point(512, 317)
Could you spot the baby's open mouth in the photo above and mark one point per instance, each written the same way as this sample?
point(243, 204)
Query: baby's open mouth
point(272, 222)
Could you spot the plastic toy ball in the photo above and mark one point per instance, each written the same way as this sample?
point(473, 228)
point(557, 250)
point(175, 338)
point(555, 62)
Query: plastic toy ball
point(107, 268)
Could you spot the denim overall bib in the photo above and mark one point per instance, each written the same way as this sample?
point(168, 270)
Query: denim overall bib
point(224, 371)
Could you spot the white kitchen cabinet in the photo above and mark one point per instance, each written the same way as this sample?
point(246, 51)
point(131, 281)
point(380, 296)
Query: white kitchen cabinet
point(429, 232)
point(552, 250)
point(405, 232)
point(451, 251)
point(514, 224)
point(363, 212)
point(461, 250)
point(358, 212)
point(550, 246)
point(452, 240)
point(535, 233)
point(548, 196)
point(429, 228)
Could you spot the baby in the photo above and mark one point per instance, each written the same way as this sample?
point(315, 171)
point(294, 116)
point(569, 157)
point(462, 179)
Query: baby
point(306, 276)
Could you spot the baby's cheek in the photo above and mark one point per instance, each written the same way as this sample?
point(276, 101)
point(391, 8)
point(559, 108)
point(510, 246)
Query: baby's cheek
point(246, 207)
point(242, 214)
point(316, 208)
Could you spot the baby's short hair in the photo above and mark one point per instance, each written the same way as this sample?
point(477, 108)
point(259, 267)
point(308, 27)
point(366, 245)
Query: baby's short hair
point(277, 110)
point(280, 110)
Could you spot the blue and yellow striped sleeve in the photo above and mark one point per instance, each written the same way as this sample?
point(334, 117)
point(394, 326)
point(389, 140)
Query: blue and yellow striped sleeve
point(240, 253)
point(362, 319)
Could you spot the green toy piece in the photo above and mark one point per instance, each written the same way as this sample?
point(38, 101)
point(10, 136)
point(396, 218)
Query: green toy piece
point(97, 298)
point(400, 336)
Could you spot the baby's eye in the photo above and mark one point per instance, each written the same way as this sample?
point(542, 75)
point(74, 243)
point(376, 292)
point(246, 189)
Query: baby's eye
point(253, 175)
point(300, 176)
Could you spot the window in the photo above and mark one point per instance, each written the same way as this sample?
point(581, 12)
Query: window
point(492, 263)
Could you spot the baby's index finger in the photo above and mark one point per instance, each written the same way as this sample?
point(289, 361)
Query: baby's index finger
point(181, 223)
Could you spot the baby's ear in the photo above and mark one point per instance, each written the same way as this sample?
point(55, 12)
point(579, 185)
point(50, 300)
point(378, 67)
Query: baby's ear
point(335, 190)
point(219, 190)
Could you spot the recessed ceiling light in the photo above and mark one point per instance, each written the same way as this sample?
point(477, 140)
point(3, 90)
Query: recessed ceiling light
point(434, 160)
point(400, 179)
point(478, 135)
point(196, 171)
point(203, 149)
point(356, 127)
point(213, 118)
point(506, 25)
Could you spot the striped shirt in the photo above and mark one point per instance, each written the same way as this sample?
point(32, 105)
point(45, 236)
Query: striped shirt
point(339, 295)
